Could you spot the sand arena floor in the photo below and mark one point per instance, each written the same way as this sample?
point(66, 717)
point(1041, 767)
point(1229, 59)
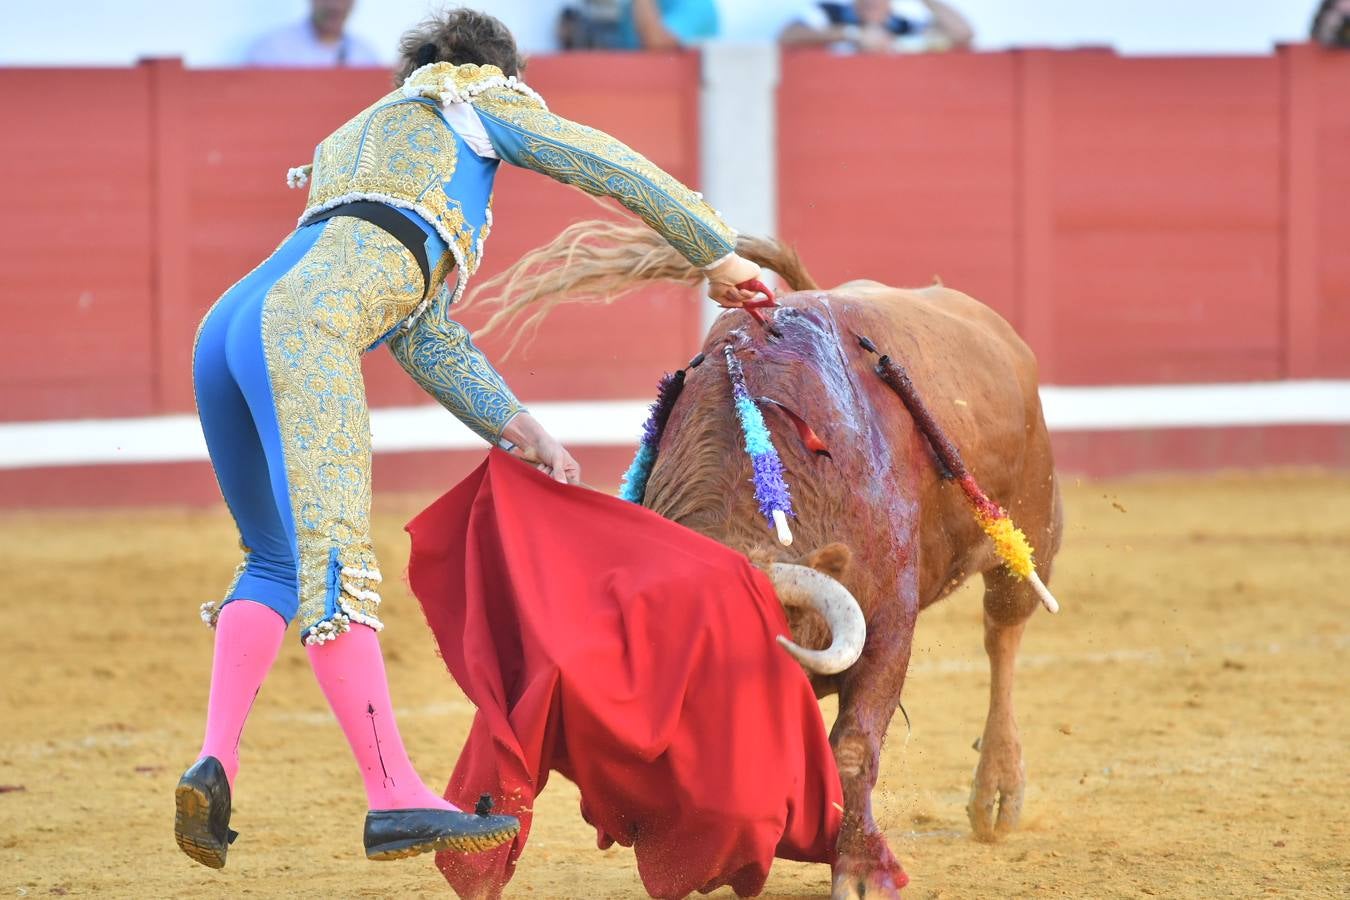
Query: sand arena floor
point(1184, 720)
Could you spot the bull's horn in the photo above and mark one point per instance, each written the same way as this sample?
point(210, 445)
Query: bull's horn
point(804, 586)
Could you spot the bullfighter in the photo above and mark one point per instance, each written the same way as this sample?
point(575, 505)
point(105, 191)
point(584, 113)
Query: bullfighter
point(399, 199)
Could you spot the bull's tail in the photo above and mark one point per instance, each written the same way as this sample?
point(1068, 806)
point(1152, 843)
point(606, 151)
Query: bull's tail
point(599, 261)
point(778, 257)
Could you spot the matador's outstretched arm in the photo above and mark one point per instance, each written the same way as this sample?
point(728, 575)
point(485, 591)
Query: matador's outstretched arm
point(525, 134)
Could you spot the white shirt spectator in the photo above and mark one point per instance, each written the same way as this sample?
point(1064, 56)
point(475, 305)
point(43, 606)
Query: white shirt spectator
point(298, 46)
point(918, 22)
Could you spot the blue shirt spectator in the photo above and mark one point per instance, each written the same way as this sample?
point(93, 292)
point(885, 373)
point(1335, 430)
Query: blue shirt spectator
point(683, 22)
point(637, 24)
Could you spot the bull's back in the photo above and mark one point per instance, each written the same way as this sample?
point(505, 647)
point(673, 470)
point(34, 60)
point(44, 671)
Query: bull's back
point(949, 321)
point(978, 378)
point(974, 373)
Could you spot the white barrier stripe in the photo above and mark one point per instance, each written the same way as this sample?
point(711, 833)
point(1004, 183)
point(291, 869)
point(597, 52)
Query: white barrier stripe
point(1114, 408)
point(178, 438)
point(617, 423)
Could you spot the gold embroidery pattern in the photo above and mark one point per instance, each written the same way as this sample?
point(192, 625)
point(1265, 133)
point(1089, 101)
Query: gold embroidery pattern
point(440, 355)
point(598, 164)
point(351, 287)
point(397, 150)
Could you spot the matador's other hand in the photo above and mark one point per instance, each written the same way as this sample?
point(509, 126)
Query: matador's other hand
point(723, 278)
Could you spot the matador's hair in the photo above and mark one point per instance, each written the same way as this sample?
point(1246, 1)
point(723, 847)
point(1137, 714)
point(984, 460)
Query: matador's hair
point(460, 36)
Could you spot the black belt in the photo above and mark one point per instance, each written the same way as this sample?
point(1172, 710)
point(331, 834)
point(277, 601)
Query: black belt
point(391, 220)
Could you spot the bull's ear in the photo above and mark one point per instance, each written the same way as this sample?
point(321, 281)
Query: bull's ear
point(832, 559)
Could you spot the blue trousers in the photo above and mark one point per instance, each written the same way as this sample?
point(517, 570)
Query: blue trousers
point(276, 369)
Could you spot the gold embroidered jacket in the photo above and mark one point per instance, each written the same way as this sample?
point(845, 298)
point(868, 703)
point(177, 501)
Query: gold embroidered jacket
point(401, 150)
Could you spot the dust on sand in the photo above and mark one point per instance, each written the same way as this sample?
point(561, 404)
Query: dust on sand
point(1184, 719)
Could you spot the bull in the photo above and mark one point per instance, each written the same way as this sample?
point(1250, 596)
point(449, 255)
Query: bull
point(873, 512)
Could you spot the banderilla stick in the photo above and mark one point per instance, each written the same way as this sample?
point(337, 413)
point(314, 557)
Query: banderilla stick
point(1009, 541)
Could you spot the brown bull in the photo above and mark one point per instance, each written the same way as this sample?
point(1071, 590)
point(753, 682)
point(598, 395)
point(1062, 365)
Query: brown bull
point(878, 492)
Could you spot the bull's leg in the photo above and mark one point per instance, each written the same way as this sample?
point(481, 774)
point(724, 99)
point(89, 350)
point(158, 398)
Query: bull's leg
point(999, 787)
point(1000, 779)
point(868, 697)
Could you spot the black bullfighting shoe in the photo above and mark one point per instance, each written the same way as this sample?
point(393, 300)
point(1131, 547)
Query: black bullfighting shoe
point(202, 822)
point(397, 833)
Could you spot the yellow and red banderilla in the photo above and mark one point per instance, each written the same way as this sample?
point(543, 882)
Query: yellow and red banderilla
point(1010, 543)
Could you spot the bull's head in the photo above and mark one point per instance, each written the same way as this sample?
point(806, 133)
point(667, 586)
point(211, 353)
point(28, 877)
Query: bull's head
point(702, 476)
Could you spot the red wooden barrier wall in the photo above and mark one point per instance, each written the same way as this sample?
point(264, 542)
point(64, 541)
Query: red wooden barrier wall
point(902, 169)
point(1139, 220)
point(77, 294)
point(1320, 98)
point(139, 195)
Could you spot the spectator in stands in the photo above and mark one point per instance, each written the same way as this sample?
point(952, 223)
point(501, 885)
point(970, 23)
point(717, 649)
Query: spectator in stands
point(876, 26)
point(319, 41)
point(1331, 24)
point(636, 24)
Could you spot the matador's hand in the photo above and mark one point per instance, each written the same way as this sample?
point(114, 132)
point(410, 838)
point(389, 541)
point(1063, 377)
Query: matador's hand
point(723, 278)
point(553, 460)
point(535, 445)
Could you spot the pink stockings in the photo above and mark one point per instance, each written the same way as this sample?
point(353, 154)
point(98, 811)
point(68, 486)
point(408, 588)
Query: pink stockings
point(248, 636)
point(350, 670)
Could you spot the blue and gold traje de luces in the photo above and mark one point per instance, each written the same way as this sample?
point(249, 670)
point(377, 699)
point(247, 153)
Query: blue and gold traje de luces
point(277, 366)
point(400, 150)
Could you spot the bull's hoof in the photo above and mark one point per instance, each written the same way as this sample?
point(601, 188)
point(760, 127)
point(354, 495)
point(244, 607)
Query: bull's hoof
point(872, 877)
point(877, 885)
point(996, 794)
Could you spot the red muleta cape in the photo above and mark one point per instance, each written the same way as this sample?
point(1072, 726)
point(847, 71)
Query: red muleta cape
point(636, 658)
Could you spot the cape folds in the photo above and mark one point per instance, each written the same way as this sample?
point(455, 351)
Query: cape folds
point(637, 659)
